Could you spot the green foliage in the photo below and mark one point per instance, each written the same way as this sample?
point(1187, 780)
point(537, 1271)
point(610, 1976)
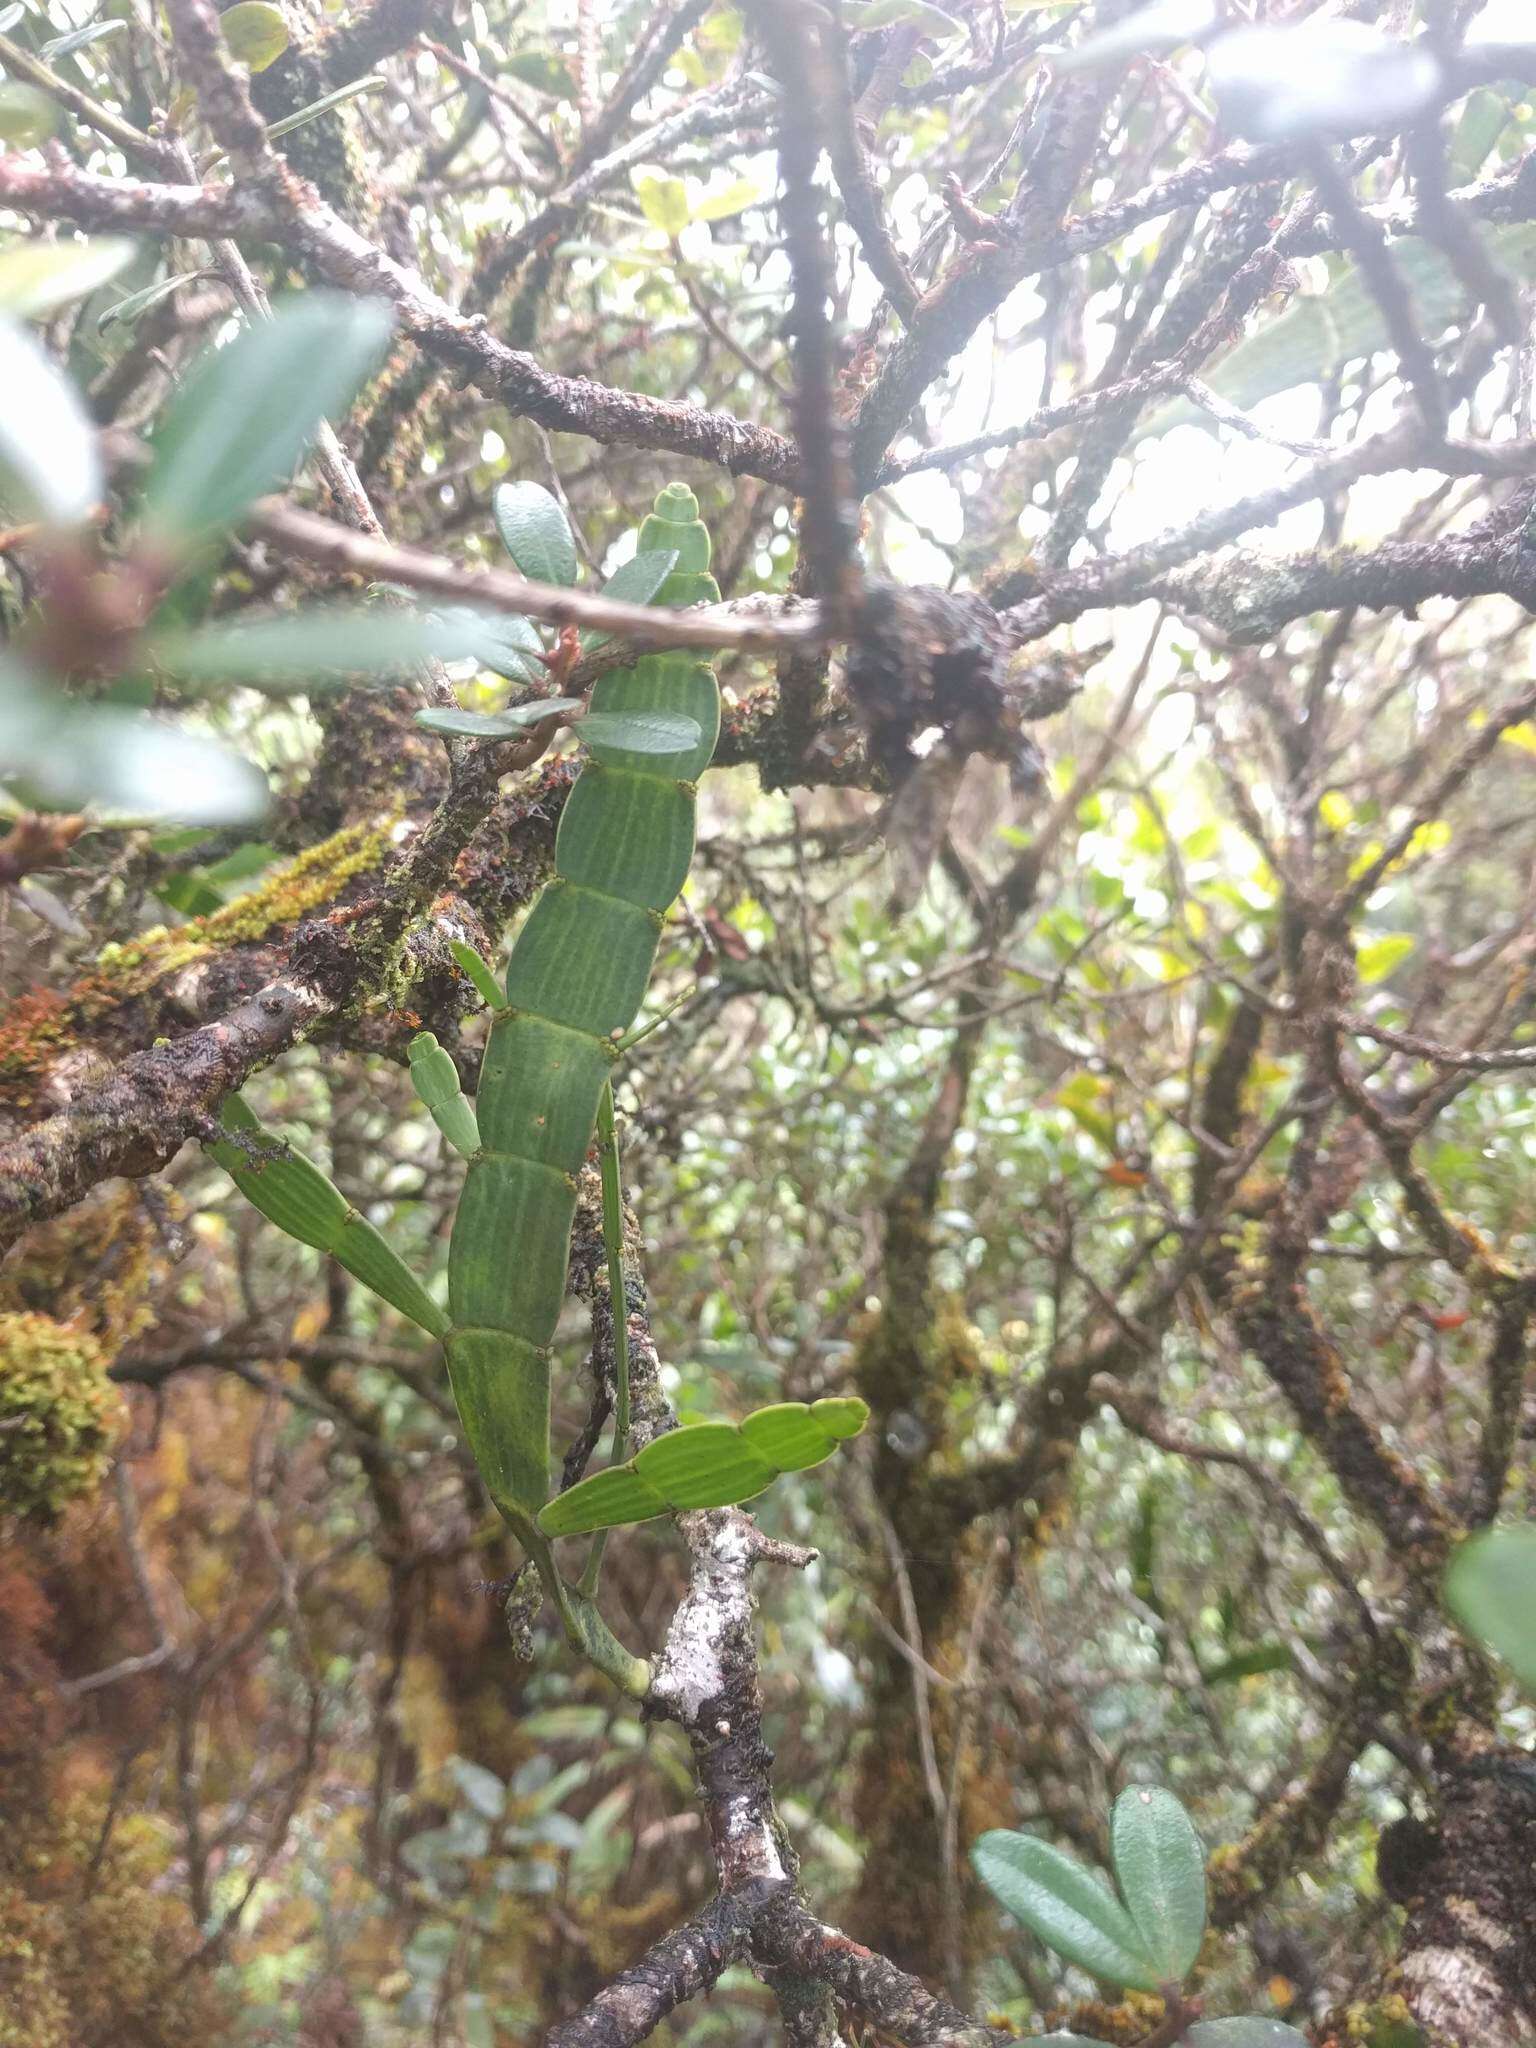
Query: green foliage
point(1149, 1937)
point(1491, 1589)
point(535, 532)
point(243, 417)
point(58, 1415)
point(437, 1083)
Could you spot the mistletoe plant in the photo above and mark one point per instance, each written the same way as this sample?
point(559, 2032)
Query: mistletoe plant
point(562, 1021)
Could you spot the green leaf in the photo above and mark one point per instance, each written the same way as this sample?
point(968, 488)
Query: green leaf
point(254, 32)
point(513, 723)
point(38, 277)
point(27, 116)
point(70, 754)
point(1377, 957)
point(248, 411)
point(301, 116)
point(663, 201)
point(635, 582)
point(1254, 1663)
point(1248, 2031)
point(9, 16)
point(544, 72)
point(502, 642)
point(1160, 1869)
point(729, 200)
point(47, 438)
point(535, 532)
point(639, 732)
point(319, 651)
point(78, 38)
point(1491, 1589)
point(487, 986)
point(134, 305)
point(1062, 1902)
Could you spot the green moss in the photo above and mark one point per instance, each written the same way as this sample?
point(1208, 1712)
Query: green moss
point(57, 1415)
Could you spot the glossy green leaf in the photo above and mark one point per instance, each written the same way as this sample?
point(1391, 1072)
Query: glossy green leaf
point(36, 278)
point(1159, 1866)
point(1062, 1902)
point(293, 1193)
point(248, 411)
point(487, 986)
point(436, 1080)
point(1491, 1589)
point(635, 582)
point(254, 32)
point(78, 39)
point(710, 1464)
point(49, 465)
point(512, 723)
point(639, 732)
point(535, 532)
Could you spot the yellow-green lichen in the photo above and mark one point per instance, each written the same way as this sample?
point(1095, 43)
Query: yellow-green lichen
point(58, 1415)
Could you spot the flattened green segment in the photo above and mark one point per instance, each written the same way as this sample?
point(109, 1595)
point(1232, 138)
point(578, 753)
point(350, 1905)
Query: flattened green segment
point(710, 1465)
point(583, 960)
point(539, 1085)
point(840, 1415)
point(437, 1083)
point(501, 1386)
point(788, 1436)
point(604, 1501)
point(511, 1239)
point(676, 682)
point(293, 1193)
point(628, 835)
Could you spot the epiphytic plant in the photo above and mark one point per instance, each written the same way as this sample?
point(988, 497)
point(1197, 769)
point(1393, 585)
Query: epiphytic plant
point(574, 985)
point(1147, 1938)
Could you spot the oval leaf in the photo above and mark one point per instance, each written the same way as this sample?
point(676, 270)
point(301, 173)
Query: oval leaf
point(640, 732)
point(513, 723)
point(1160, 1869)
point(535, 532)
point(1491, 1590)
point(255, 32)
point(1061, 1901)
point(249, 410)
point(318, 651)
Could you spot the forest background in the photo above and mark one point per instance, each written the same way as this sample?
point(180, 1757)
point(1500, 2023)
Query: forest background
point(1098, 1021)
